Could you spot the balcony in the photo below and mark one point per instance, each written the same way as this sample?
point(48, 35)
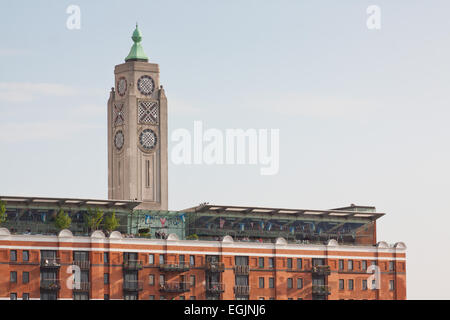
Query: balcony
point(133, 264)
point(83, 287)
point(83, 264)
point(174, 267)
point(175, 287)
point(50, 284)
point(215, 267)
point(136, 285)
point(215, 287)
point(320, 289)
point(242, 270)
point(321, 270)
point(241, 290)
point(50, 263)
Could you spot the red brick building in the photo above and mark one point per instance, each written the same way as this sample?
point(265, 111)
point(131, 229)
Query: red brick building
point(38, 267)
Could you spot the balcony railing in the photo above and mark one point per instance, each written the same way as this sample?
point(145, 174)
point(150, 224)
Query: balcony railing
point(136, 285)
point(242, 270)
point(242, 290)
point(175, 287)
point(215, 287)
point(83, 286)
point(176, 267)
point(321, 289)
point(83, 264)
point(215, 267)
point(133, 264)
point(321, 270)
point(50, 284)
point(50, 263)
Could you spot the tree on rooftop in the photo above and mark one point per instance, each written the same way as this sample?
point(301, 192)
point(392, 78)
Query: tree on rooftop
point(93, 219)
point(2, 212)
point(111, 222)
point(62, 220)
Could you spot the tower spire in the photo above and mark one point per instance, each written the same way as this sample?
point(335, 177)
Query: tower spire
point(137, 52)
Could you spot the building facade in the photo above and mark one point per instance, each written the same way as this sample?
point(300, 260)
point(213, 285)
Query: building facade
point(204, 252)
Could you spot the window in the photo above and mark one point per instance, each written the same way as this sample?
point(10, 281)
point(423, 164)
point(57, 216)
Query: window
point(181, 258)
point(290, 299)
point(374, 262)
point(13, 255)
point(299, 283)
point(289, 263)
point(161, 259)
point(341, 284)
point(151, 279)
point(151, 297)
point(13, 277)
point(299, 263)
point(25, 255)
point(106, 297)
point(26, 296)
point(350, 284)
point(350, 264)
point(261, 262)
point(272, 298)
point(25, 277)
point(162, 279)
point(271, 263)
point(192, 280)
point(271, 282)
point(364, 265)
point(391, 285)
point(13, 296)
point(182, 298)
point(192, 298)
point(261, 282)
point(151, 258)
point(289, 283)
point(106, 278)
point(105, 257)
point(261, 298)
point(299, 298)
point(374, 284)
point(391, 266)
point(364, 284)
point(192, 260)
point(80, 296)
point(162, 297)
point(341, 264)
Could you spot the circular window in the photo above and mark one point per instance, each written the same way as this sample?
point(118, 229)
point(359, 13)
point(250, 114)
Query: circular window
point(122, 86)
point(119, 140)
point(148, 139)
point(146, 85)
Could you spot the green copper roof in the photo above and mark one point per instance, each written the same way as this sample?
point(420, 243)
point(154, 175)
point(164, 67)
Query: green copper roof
point(137, 52)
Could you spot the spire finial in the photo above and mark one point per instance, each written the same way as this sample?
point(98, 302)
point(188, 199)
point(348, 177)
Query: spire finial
point(136, 52)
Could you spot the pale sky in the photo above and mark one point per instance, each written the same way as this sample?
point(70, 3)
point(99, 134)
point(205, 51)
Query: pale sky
point(363, 114)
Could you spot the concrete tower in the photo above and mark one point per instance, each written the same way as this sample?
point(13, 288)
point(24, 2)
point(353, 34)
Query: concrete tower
point(137, 132)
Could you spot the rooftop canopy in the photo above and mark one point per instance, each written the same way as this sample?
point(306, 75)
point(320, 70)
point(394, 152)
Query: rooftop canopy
point(69, 202)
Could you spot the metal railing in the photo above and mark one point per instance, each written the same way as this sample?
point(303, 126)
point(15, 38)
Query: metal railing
point(242, 270)
point(321, 270)
point(215, 267)
point(133, 264)
point(83, 286)
point(215, 287)
point(175, 287)
point(133, 285)
point(320, 289)
point(242, 290)
point(50, 263)
point(50, 284)
point(83, 264)
point(179, 267)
